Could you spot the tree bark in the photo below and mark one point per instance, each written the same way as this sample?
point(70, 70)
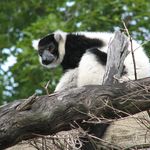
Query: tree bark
point(48, 115)
point(116, 54)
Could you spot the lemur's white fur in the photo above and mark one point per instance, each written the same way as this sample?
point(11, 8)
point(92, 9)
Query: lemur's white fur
point(35, 44)
point(60, 37)
point(90, 71)
point(68, 80)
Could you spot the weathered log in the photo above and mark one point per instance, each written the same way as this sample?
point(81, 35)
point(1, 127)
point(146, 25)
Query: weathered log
point(130, 132)
point(48, 115)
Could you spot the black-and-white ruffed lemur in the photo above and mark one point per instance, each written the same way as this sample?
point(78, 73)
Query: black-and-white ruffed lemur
point(83, 57)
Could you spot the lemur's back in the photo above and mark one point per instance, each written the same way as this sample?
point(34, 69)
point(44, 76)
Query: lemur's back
point(91, 69)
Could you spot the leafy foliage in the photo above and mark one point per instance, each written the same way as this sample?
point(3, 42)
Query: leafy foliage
point(23, 21)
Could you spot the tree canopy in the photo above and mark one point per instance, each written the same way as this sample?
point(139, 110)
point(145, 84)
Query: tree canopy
point(23, 21)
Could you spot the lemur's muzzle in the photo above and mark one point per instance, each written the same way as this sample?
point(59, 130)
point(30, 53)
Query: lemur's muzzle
point(47, 58)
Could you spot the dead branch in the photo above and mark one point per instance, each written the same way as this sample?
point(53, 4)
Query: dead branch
point(132, 50)
point(48, 115)
point(117, 52)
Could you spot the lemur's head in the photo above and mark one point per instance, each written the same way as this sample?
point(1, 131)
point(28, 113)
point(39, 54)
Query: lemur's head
point(51, 49)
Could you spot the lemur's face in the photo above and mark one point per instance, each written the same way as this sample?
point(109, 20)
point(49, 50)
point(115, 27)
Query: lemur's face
point(48, 51)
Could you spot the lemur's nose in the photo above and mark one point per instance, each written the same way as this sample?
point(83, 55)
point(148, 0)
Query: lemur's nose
point(46, 62)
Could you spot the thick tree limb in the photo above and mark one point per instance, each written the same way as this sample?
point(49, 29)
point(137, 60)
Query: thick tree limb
point(54, 113)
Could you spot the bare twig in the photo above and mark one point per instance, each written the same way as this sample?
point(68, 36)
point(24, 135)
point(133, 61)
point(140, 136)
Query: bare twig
point(46, 87)
point(132, 51)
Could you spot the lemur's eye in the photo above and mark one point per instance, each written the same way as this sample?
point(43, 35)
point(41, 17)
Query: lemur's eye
point(51, 47)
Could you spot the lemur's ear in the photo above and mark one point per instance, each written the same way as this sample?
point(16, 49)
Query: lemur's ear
point(35, 44)
point(58, 35)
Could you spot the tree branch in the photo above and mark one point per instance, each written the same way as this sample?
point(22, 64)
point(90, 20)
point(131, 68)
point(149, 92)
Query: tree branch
point(48, 115)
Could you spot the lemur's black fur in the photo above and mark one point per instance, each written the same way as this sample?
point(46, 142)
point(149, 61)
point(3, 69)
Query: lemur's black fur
point(44, 43)
point(75, 47)
point(101, 56)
